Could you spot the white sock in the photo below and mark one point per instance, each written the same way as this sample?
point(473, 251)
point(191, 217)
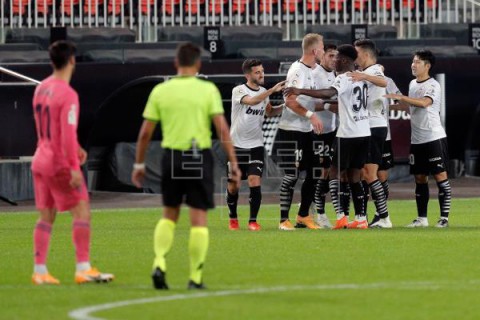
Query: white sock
point(360, 218)
point(423, 219)
point(83, 266)
point(40, 268)
point(340, 216)
point(322, 215)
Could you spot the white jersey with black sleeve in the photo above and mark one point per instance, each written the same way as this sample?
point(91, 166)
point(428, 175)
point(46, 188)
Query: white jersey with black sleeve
point(391, 88)
point(324, 80)
point(425, 122)
point(246, 127)
point(375, 100)
point(352, 108)
point(299, 76)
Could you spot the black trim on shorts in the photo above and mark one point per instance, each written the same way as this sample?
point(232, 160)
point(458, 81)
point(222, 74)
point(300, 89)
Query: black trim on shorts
point(293, 151)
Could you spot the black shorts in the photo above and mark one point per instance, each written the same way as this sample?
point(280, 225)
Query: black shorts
point(350, 153)
point(375, 146)
point(188, 174)
point(293, 151)
point(387, 157)
point(250, 162)
point(429, 158)
point(322, 149)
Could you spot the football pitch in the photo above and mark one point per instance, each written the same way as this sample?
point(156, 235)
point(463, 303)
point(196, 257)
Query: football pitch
point(324, 274)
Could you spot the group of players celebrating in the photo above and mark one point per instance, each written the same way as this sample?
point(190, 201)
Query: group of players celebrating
point(334, 133)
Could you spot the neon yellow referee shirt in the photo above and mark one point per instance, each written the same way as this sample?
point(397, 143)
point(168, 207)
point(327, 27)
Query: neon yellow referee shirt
point(184, 106)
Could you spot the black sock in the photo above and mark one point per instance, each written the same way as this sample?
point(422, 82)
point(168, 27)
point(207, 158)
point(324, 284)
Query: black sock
point(422, 195)
point(232, 200)
point(334, 185)
point(379, 199)
point(255, 201)
point(286, 195)
point(366, 196)
point(345, 197)
point(307, 195)
point(386, 189)
point(321, 190)
point(444, 197)
point(358, 196)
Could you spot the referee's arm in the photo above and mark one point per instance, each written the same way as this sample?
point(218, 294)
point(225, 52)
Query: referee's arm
point(144, 137)
point(223, 133)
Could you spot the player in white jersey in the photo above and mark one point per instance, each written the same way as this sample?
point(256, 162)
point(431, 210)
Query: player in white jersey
point(387, 157)
point(372, 73)
point(351, 144)
point(324, 76)
point(428, 151)
point(250, 104)
point(293, 143)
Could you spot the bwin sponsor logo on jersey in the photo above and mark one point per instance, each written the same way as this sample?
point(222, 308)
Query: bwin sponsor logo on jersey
point(255, 112)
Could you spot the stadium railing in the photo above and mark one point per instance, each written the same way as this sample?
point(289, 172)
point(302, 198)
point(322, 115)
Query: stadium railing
point(293, 16)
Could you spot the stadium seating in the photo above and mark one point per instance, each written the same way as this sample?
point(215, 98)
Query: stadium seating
point(453, 30)
point(439, 51)
point(135, 55)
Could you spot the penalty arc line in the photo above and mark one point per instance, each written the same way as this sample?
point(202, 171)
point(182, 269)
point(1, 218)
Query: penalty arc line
point(85, 312)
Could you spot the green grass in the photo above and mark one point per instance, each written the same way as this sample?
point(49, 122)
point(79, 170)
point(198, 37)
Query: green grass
point(326, 274)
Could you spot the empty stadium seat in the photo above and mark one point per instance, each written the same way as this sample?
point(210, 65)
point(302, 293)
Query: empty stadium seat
point(24, 56)
point(449, 30)
point(181, 33)
point(252, 33)
point(382, 31)
point(136, 55)
point(40, 36)
point(439, 51)
point(101, 34)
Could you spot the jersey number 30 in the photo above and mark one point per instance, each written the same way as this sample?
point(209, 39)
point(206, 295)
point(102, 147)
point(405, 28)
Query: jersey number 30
point(361, 95)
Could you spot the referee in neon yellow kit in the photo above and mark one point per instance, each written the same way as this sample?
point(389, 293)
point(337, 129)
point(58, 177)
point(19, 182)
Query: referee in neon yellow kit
point(186, 107)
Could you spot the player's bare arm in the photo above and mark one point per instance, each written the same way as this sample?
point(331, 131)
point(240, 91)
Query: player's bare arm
point(144, 137)
point(424, 102)
point(327, 105)
point(82, 155)
point(223, 133)
point(361, 76)
point(320, 94)
point(272, 111)
point(292, 103)
point(251, 101)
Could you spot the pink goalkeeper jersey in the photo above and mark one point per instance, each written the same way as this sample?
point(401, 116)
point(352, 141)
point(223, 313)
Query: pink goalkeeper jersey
point(56, 110)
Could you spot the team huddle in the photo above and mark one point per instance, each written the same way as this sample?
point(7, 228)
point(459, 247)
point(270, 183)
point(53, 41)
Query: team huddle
point(334, 133)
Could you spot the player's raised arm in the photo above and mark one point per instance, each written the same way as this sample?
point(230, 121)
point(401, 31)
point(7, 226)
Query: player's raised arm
point(254, 100)
point(423, 102)
point(377, 80)
point(319, 94)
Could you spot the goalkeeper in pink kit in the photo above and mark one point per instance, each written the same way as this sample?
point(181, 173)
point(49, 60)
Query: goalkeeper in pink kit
point(58, 181)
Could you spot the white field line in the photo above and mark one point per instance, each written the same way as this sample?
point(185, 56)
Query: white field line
point(84, 313)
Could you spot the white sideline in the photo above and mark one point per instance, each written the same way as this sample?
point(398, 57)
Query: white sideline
point(84, 313)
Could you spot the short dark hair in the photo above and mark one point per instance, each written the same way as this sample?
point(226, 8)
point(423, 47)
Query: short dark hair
point(347, 50)
point(329, 46)
point(60, 52)
point(368, 45)
point(248, 64)
point(427, 56)
point(188, 54)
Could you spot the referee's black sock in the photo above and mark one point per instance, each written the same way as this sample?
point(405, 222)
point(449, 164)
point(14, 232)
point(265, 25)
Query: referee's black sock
point(255, 201)
point(345, 197)
point(444, 197)
point(422, 195)
point(286, 194)
point(358, 196)
point(307, 195)
point(232, 200)
point(366, 196)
